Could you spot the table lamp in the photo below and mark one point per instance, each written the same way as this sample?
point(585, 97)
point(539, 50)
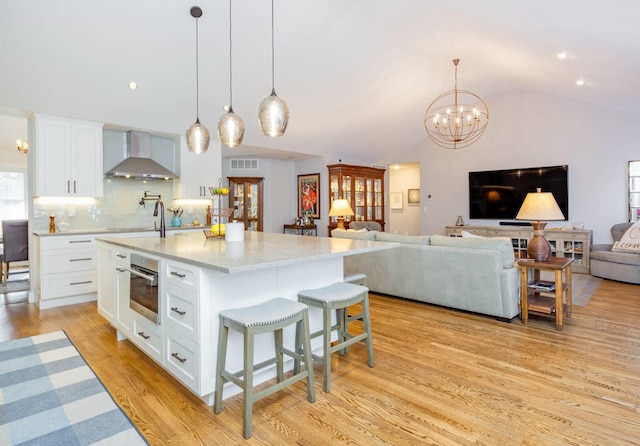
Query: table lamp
point(539, 206)
point(340, 208)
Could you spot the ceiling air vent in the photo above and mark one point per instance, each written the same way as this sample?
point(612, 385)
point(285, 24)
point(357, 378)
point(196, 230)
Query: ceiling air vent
point(244, 164)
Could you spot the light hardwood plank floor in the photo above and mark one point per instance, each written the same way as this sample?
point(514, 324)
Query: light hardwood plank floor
point(441, 377)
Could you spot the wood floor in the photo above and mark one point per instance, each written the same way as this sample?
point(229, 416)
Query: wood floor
point(441, 377)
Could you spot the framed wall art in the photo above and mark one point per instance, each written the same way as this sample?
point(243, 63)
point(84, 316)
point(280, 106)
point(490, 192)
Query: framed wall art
point(309, 195)
point(413, 196)
point(396, 200)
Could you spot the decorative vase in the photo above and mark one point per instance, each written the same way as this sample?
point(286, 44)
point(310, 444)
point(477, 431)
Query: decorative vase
point(459, 221)
point(176, 222)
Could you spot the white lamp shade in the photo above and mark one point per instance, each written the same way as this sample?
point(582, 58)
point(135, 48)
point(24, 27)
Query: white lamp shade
point(273, 114)
point(198, 138)
point(231, 129)
point(540, 206)
point(340, 208)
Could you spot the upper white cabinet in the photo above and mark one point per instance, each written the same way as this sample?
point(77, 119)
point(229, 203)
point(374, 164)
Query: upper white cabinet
point(68, 157)
point(198, 172)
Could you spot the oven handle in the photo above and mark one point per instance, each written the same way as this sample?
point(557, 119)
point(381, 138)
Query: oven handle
point(139, 274)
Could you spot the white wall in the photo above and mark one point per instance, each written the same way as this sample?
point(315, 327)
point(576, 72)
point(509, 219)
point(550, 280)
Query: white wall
point(529, 130)
point(403, 177)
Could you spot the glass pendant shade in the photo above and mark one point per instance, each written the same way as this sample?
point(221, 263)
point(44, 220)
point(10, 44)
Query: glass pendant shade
point(230, 129)
point(273, 114)
point(197, 137)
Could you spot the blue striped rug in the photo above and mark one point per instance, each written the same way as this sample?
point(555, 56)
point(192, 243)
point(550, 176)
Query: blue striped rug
point(50, 396)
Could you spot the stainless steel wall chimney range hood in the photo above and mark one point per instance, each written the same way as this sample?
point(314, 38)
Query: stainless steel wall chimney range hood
point(138, 163)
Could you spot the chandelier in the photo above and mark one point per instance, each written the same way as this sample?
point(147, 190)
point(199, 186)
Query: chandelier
point(457, 118)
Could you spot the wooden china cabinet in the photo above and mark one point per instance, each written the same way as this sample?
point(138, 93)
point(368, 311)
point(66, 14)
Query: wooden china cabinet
point(245, 197)
point(363, 187)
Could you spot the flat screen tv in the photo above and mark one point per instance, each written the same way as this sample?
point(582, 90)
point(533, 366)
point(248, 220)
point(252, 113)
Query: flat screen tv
point(498, 194)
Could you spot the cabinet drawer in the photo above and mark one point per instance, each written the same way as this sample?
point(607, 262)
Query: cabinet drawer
point(181, 311)
point(122, 257)
point(64, 260)
point(69, 242)
point(147, 336)
point(181, 275)
point(69, 284)
point(181, 359)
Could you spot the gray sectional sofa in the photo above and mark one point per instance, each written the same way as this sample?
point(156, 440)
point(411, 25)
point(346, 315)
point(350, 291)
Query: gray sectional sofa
point(472, 274)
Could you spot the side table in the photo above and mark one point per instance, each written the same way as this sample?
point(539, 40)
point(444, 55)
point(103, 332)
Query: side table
point(300, 229)
point(546, 297)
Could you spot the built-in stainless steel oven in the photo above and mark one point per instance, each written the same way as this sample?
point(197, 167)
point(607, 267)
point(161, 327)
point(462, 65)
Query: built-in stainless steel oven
point(143, 293)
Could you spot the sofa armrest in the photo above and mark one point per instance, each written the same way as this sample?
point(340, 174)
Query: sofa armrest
point(601, 247)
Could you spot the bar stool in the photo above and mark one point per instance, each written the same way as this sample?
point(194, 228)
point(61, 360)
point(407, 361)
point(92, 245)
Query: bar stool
point(271, 316)
point(357, 278)
point(339, 297)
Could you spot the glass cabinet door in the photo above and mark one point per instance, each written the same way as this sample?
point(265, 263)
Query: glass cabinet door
point(634, 190)
point(246, 200)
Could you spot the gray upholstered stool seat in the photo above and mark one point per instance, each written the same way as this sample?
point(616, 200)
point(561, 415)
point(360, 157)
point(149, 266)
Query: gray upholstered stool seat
point(339, 297)
point(271, 316)
point(357, 278)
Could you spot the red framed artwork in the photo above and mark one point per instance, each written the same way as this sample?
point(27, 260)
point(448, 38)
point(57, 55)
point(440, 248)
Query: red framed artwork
point(309, 195)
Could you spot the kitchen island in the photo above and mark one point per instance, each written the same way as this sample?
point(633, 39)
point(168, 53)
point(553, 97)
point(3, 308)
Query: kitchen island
point(199, 277)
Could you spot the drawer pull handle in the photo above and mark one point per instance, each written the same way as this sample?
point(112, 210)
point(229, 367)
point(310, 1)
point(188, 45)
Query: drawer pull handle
point(182, 276)
point(121, 256)
point(81, 260)
point(181, 313)
point(122, 270)
point(182, 360)
point(80, 241)
point(141, 334)
point(81, 283)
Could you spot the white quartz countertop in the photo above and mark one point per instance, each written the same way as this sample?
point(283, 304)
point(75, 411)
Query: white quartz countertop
point(259, 250)
point(120, 230)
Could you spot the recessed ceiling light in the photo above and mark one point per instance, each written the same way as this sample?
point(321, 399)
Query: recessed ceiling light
point(580, 82)
point(563, 55)
point(133, 85)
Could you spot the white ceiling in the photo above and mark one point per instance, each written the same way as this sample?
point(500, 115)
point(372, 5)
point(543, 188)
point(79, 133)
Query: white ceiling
point(357, 75)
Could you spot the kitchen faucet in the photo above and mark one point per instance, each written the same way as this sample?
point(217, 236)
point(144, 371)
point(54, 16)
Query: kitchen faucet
point(162, 228)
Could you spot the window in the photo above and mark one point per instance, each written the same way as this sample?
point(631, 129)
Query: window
point(13, 196)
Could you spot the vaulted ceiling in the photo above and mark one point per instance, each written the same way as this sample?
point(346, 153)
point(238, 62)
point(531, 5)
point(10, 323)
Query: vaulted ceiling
point(357, 75)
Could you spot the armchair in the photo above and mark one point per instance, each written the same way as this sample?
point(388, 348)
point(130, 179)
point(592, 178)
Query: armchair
point(619, 266)
point(15, 245)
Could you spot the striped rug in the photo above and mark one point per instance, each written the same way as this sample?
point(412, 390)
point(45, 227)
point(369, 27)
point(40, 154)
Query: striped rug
point(50, 396)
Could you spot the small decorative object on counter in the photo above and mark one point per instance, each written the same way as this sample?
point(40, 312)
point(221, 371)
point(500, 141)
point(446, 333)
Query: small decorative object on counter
point(176, 222)
point(208, 216)
point(52, 223)
point(459, 221)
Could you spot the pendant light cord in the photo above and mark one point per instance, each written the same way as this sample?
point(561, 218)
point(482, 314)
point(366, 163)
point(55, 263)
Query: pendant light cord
point(197, 79)
point(273, 71)
point(230, 63)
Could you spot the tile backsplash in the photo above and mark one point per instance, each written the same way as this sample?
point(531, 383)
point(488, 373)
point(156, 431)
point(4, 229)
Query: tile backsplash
point(119, 207)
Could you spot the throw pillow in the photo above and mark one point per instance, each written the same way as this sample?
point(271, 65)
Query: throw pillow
point(469, 234)
point(630, 241)
point(358, 230)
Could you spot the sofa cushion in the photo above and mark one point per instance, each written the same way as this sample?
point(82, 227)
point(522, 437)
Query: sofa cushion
point(630, 240)
point(401, 238)
point(626, 258)
point(341, 233)
point(500, 244)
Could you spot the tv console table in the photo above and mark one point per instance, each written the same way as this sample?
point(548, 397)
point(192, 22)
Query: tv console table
point(568, 243)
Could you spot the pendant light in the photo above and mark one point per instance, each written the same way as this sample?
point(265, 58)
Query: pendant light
point(230, 125)
point(273, 112)
point(197, 134)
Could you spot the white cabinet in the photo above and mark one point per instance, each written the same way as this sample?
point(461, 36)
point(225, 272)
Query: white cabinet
point(198, 172)
point(106, 284)
point(68, 157)
point(67, 271)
